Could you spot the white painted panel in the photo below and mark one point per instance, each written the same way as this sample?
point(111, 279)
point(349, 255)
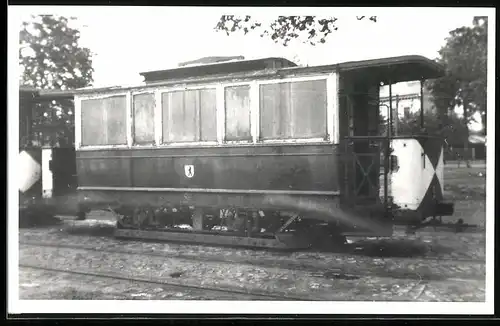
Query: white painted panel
point(30, 171)
point(129, 120)
point(219, 112)
point(333, 107)
point(405, 183)
point(255, 111)
point(158, 119)
point(47, 181)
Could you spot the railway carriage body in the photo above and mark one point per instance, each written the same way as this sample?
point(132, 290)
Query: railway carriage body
point(46, 173)
point(256, 148)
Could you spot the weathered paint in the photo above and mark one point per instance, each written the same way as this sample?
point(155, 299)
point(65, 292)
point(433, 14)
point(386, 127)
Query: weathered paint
point(331, 132)
point(418, 182)
point(305, 167)
point(298, 165)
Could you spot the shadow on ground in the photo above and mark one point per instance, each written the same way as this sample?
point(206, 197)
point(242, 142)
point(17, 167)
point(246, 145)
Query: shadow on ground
point(96, 230)
point(381, 248)
point(34, 219)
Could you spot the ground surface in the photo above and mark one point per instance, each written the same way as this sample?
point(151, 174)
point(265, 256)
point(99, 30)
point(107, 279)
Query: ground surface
point(423, 267)
point(466, 187)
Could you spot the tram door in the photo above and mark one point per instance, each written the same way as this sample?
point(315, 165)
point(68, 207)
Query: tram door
point(362, 115)
point(63, 167)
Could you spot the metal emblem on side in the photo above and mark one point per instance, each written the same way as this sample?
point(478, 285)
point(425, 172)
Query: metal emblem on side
point(189, 171)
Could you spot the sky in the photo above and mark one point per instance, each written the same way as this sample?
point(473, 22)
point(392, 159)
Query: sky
point(128, 40)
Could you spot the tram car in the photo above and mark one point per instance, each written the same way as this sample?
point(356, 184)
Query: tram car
point(259, 153)
point(46, 172)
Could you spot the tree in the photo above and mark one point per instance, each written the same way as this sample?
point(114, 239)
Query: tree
point(283, 29)
point(50, 57)
point(464, 57)
point(452, 129)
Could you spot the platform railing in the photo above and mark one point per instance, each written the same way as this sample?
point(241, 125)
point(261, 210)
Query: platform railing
point(365, 161)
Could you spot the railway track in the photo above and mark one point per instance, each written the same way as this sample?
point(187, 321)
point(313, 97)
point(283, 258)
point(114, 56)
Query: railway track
point(340, 266)
point(235, 293)
point(364, 247)
point(238, 282)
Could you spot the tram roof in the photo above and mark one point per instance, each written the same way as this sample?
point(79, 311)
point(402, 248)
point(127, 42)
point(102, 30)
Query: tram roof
point(387, 70)
point(45, 94)
point(200, 69)
point(397, 69)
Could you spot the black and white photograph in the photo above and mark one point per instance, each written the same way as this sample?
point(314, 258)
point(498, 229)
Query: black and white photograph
point(238, 160)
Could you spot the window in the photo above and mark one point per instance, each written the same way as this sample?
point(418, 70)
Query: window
point(189, 116)
point(144, 129)
point(293, 110)
point(237, 108)
point(104, 121)
point(406, 111)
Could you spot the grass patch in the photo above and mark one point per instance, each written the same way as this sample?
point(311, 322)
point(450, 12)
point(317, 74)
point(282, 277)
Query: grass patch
point(465, 183)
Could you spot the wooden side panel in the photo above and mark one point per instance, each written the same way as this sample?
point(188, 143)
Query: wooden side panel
point(102, 172)
point(278, 167)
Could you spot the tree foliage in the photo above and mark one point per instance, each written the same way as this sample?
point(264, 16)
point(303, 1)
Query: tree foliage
point(51, 57)
point(452, 129)
point(283, 29)
point(464, 57)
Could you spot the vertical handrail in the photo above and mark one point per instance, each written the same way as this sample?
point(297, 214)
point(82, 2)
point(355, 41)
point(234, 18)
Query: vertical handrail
point(388, 150)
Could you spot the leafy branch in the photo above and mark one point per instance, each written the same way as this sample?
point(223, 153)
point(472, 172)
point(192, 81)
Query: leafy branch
point(310, 29)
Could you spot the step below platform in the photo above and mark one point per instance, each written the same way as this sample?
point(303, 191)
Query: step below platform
point(282, 241)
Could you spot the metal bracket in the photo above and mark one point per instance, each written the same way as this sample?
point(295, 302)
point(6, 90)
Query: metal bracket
point(287, 223)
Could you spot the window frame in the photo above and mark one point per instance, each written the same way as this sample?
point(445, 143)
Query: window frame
point(252, 138)
point(78, 119)
point(332, 107)
point(132, 113)
point(177, 89)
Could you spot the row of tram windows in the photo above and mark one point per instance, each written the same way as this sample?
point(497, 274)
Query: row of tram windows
point(287, 110)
